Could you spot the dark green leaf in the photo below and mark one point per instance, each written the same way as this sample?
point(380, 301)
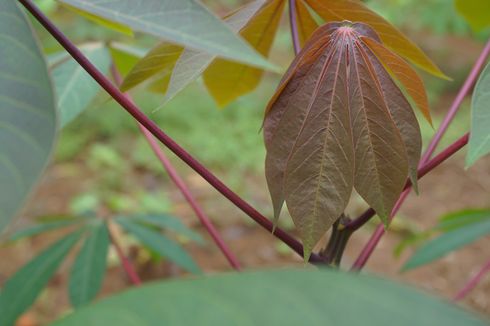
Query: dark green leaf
point(74, 86)
point(184, 22)
point(287, 297)
point(160, 244)
point(88, 270)
point(169, 222)
point(446, 243)
point(479, 145)
point(20, 291)
point(27, 111)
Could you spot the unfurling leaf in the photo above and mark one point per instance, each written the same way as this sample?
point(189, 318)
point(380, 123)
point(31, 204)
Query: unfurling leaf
point(338, 122)
point(228, 80)
point(306, 24)
point(354, 10)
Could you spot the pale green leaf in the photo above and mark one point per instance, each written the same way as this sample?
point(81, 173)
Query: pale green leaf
point(75, 88)
point(27, 111)
point(160, 244)
point(89, 268)
point(479, 145)
point(447, 243)
point(185, 22)
point(20, 291)
point(285, 297)
point(125, 56)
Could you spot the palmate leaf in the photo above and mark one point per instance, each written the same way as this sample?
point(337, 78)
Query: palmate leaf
point(280, 297)
point(337, 122)
point(20, 291)
point(185, 22)
point(27, 111)
point(88, 270)
point(356, 11)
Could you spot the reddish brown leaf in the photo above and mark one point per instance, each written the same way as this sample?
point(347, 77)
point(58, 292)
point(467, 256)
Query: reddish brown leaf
point(338, 122)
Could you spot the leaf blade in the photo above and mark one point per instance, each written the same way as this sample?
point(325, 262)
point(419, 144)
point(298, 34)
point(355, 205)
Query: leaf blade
point(160, 244)
point(27, 111)
point(185, 22)
point(89, 268)
point(74, 86)
point(239, 298)
point(446, 243)
point(18, 294)
point(479, 144)
point(355, 11)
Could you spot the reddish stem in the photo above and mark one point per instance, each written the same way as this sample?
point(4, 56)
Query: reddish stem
point(160, 135)
point(294, 26)
point(463, 92)
point(380, 230)
point(472, 282)
point(179, 182)
point(126, 263)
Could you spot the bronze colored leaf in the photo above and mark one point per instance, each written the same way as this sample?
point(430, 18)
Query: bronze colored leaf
point(338, 122)
point(227, 80)
point(306, 24)
point(356, 11)
point(404, 73)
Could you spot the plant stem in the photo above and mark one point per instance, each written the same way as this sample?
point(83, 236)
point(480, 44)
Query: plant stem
point(132, 109)
point(472, 282)
point(380, 230)
point(179, 182)
point(463, 92)
point(126, 263)
point(294, 26)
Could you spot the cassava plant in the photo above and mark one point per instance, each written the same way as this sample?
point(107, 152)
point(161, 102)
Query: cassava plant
point(341, 119)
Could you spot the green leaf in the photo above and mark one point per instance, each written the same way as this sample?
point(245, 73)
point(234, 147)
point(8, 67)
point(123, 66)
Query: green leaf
point(43, 227)
point(475, 12)
point(462, 218)
point(285, 297)
point(89, 268)
point(27, 111)
point(185, 22)
point(20, 291)
point(75, 88)
point(169, 222)
point(121, 28)
point(160, 244)
point(479, 145)
point(446, 243)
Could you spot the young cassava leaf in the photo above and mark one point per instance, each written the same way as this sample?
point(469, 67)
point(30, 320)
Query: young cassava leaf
point(306, 24)
point(227, 80)
point(475, 12)
point(338, 122)
point(354, 10)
